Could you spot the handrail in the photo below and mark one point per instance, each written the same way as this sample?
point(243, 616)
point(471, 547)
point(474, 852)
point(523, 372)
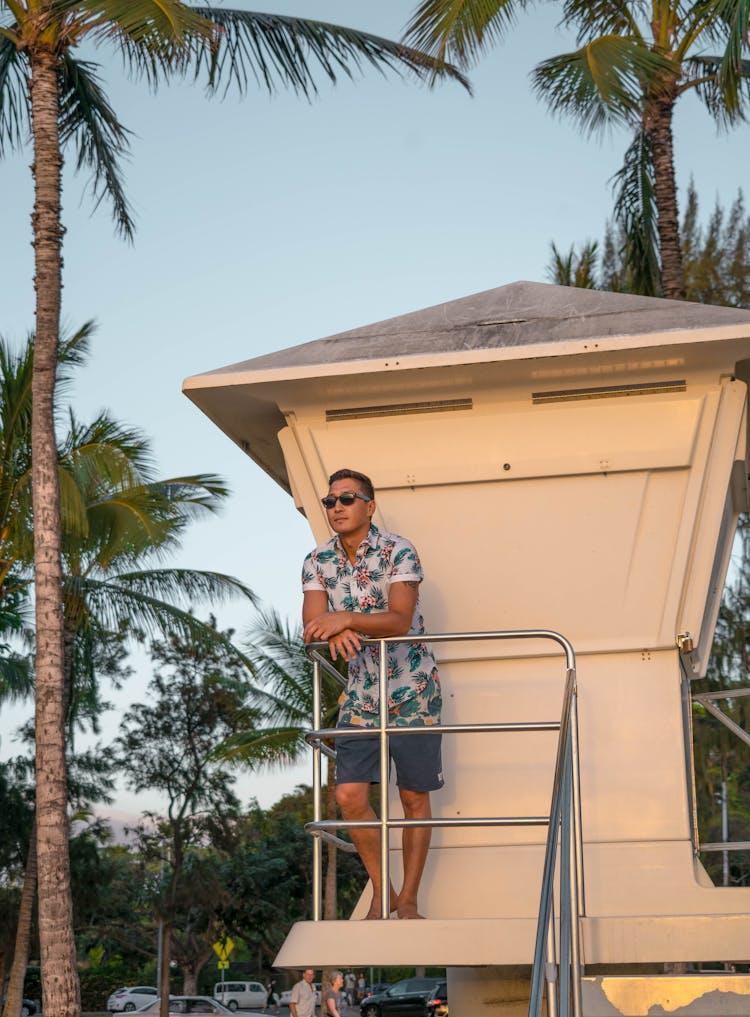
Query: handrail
point(564, 817)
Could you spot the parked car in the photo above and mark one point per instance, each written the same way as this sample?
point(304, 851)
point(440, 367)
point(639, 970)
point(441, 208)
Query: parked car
point(413, 997)
point(132, 998)
point(241, 995)
point(28, 1007)
point(190, 1004)
point(286, 995)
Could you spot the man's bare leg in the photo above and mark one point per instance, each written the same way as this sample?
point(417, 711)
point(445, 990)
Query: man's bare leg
point(354, 802)
point(416, 844)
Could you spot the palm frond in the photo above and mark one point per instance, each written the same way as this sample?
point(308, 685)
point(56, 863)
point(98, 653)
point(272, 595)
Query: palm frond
point(87, 118)
point(156, 38)
point(574, 269)
point(16, 677)
point(14, 101)
point(704, 74)
point(285, 674)
point(195, 495)
point(185, 585)
point(601, 17)
point(273, 51)
point(265, 747)
point(125, 602)
point(600, 84)
point(461, 30)
point(635, 211)
point(734, 18)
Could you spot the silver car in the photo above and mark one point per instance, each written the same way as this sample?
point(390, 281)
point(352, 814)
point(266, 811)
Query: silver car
point(189, 1004)
point(133, 998)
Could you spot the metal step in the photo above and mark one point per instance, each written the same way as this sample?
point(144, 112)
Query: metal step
point(708, 994)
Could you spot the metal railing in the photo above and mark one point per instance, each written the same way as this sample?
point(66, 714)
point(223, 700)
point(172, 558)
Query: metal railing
point(708, 701)
point(563, 980)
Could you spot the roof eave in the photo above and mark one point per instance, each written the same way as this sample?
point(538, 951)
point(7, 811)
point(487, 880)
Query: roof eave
point(571, 347)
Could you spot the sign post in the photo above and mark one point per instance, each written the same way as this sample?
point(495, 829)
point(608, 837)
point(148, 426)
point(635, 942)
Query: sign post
point(222, 948)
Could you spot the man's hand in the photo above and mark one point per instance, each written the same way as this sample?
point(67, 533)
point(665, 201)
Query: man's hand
point(347, 644)
point(325, 626)
point(334, 627)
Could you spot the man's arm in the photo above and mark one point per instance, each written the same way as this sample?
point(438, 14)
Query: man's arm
point(341, 629)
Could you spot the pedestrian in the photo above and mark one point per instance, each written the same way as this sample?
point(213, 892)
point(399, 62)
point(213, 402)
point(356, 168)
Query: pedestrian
point(350, 981)
point(272, 997)
point(302, 1002)
point(332, 1002)
point(361, 987)
point(365, 583)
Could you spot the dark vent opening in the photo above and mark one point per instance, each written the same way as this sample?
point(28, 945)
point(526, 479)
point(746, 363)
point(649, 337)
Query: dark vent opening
point(609, 391)
point(399, 409)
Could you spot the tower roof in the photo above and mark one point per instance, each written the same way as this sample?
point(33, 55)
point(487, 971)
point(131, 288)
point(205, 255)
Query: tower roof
point(521, 314)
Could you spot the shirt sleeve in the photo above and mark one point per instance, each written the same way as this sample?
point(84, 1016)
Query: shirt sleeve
point(295, 996)
point(405, 564)
point(310, 576)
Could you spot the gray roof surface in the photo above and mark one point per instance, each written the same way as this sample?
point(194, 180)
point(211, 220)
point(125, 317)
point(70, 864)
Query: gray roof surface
point(519, 314)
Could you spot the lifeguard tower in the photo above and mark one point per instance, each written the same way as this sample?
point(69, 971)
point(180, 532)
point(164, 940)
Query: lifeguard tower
point(566, 459)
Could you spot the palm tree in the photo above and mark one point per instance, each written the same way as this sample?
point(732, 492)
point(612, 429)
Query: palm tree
point(284, 673)
point(715, 256)
point(45, 85)
point(634, 62)
point(116, 518)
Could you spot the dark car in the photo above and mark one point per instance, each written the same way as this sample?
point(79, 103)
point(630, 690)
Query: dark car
point(28, 1007)
point(414, 997)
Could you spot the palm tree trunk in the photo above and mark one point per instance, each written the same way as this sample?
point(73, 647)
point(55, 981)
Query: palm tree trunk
point(60, 987)
point(14, 994)
point(658, 122)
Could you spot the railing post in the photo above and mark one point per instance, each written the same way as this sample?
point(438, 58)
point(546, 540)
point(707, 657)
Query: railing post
point(576, 861)
point(385, 873)
point(317, 785)
point(566, 867)
point(577, 822)
point(551, 965)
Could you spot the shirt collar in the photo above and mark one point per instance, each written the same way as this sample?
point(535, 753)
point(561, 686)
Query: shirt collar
point(371, 540)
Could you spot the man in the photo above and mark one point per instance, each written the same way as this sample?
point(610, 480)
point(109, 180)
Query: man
point(364, 582)
point(302, 1001)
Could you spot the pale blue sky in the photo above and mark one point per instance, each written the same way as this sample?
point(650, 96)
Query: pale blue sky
point(267, 222)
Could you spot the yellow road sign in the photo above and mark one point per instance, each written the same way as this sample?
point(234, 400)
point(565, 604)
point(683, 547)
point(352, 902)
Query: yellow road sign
point(223, 947)
point(222, 965)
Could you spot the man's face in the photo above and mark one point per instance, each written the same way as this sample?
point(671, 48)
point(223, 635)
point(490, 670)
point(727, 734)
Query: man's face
point(308, 975)
point(346, 519)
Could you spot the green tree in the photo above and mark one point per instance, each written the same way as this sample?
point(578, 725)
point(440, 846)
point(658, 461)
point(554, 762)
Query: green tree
point(722, 759)
point(269, 875)
point(52, 95)
point(284, 673)
point(716, 257)
point(633, 64)
point(197, 698)
point(117, 517)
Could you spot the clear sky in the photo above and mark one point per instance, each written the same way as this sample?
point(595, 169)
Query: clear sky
point(267, 222)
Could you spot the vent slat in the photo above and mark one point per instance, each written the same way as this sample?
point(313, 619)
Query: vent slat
point(609, 391)
point(399, 409)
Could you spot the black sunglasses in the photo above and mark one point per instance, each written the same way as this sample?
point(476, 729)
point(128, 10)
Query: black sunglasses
point(347, 498)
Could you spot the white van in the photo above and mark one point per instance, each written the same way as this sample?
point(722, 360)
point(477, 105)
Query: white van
point(241, 995)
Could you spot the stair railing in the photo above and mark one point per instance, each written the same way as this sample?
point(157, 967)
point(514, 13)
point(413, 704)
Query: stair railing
point(563, 979)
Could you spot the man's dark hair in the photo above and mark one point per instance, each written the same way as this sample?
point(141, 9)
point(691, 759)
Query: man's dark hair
point(364, 481)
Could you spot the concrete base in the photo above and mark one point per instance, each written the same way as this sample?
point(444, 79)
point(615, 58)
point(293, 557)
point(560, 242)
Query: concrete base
point(489, 992)
point(703, 995)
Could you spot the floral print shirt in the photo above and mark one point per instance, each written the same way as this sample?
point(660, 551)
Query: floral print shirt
point(413, 685)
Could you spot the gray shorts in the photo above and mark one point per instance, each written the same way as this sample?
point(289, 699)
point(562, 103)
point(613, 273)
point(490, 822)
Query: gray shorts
point(417, 757)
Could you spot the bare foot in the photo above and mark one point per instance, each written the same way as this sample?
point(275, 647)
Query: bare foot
point(408, 909)
point(376, 910)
